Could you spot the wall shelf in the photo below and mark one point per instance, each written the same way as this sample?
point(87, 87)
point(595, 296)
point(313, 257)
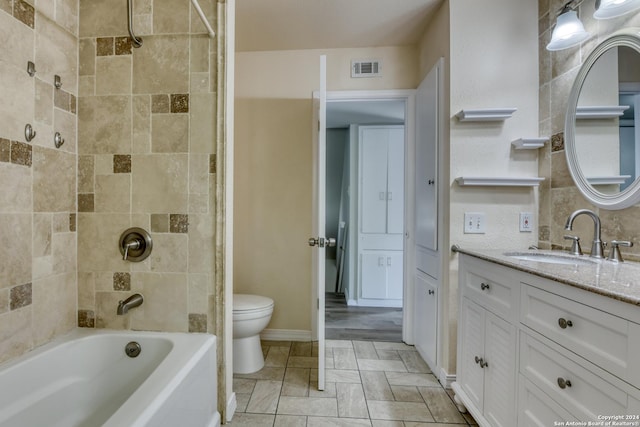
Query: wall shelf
point(529, 143)
point(485, 114)
point(498, 181)
point(600, 112)
point(607, 180)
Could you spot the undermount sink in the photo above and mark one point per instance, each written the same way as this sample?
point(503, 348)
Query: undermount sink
point(550, 258)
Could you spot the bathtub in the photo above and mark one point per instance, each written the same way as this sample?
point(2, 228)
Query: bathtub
point(85, 379)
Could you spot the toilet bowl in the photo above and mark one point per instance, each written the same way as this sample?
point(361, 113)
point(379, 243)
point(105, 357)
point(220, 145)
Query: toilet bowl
point(251, 314)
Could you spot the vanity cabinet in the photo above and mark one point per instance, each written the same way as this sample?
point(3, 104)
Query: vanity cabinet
point(555, 352)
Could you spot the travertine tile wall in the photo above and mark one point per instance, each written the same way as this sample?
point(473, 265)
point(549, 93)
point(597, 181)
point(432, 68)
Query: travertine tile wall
point(558, 194)
point(37, 181)
point(146, 158)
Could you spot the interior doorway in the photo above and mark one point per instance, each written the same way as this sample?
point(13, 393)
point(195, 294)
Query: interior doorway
point(365, 213)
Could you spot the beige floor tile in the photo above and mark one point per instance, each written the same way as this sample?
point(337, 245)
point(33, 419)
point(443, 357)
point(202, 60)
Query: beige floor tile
point(386, 423)
point(414, 424)
point(296, 382)
point(314, 349)
point(329, 389)
point(302, 362)
point(242, 386)
point(406, 393)
point(252, 420)
point(337, 422)
point(351, 401)
point(301, 348)
point(441, 406)
point(400, 411)
point(277, 357)
point(242, 400)
point(290, 421)
point(268, 343)
point(388, 354)
point(264, 399)
point(407, 378)
point(365, 350)
point(392, 346)
point(414, 362)
point(329, 362)
point(376, 386)
point(342, 376)
point(381, 365)
point(317, 406)
point(338, 344)
point(266, 373)
point(344, 358)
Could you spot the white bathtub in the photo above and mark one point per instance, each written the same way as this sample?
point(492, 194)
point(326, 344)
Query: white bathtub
point(86, 379)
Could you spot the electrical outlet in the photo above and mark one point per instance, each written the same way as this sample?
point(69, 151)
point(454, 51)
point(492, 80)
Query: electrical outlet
point(526, 222)
point(474, 223)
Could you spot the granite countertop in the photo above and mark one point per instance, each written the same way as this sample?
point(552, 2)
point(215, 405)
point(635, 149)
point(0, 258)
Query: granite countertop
point(620, 281)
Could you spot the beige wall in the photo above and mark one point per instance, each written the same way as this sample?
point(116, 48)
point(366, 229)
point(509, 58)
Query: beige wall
point(558, 194)
point(37, 181)
point(146, 159)
point(273, 165)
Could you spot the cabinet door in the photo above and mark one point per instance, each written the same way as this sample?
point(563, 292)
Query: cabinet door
point(373, 183)
point(471, 375)
point(394, 274)
point(395, 182)
point(373, 275)
point(426, 317)
point(500, 373)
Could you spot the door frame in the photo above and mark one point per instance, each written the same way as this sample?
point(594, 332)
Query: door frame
point(408, 96)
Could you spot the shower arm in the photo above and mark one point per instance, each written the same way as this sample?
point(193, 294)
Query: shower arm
point(205, 21)
point(137, 41)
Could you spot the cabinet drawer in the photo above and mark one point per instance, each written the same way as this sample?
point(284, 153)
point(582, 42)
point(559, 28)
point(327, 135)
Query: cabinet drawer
point(494, 288)
point(536, 409)
point(600, 337)
point(588, 394)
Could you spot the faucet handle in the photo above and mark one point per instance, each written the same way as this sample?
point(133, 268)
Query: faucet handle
point(575, 245)
point(614, 252)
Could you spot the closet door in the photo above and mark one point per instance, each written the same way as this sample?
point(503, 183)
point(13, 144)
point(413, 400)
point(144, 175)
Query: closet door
point(373, 185)
point(395, 182)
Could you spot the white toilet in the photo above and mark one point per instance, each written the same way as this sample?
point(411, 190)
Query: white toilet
point(251, 314)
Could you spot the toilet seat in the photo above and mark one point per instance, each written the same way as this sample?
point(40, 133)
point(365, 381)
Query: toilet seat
point(244, 303)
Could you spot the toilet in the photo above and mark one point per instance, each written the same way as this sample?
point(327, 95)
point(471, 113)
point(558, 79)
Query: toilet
point(251, 314)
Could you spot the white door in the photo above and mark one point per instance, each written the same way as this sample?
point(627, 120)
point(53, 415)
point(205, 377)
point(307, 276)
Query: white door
point(319, 195)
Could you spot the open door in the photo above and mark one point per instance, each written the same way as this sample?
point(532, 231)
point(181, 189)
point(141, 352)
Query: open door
point(318, 241)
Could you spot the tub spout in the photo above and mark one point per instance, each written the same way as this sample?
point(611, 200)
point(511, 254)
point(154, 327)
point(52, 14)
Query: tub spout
point(133, 301)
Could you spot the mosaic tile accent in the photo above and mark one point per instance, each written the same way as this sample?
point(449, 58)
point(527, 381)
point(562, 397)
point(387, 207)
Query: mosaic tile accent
point(557, 142)
point(21, 153)
point(24, 12)
point(104, 46)
point(86, 319)
point(72, 222)
point(180, 103)
point(160, 103)
point(20, 296)
point(160, 223)
point(123, 46)
point(86, 202)
point(121, 163)
point(197, 322)
point(178, 223)
point(5, 150)
point(212, 163)
point(121, 281)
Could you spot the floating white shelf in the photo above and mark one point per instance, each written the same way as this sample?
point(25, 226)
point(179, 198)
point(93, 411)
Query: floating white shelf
point(499, 181)
point(606, 180)
point(485, 114)
point(600, 112)
point(529, 143)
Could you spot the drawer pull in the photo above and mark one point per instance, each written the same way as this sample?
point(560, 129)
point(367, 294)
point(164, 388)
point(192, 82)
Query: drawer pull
point(431, 292)
point(564, 323)
point(562, 383)
point(484, 286)
point(481, 362)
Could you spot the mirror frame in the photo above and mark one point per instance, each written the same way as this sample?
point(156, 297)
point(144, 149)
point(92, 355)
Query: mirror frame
point(629, 37)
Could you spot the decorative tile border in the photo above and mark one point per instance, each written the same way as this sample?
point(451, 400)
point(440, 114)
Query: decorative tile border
point(20, 296)
point(16, 152)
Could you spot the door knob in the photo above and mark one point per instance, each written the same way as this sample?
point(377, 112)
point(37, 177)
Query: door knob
point(331, 242)
point(321, 242)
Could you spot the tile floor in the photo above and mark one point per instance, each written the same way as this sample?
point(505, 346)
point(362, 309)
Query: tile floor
point(376, 384)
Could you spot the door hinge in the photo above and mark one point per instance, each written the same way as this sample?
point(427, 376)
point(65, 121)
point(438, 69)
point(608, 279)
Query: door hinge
point(318, 125)
point(318, 303)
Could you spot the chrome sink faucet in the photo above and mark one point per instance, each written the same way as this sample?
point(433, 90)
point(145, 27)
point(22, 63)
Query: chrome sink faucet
point(133, 301)
point(597, 247)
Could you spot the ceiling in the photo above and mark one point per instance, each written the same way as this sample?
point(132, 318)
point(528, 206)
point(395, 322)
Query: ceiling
point(345, 113)
point(326, 24)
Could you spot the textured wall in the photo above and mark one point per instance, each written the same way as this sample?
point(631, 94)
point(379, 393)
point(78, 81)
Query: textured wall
point(558, 194)
point(146, 158)
point(37, 181)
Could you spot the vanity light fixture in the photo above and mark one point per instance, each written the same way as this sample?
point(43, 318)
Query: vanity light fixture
point(606, 9)
point(569, 30)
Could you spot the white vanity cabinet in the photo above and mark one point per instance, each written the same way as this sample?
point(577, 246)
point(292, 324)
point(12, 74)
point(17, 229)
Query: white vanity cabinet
point(555, 352)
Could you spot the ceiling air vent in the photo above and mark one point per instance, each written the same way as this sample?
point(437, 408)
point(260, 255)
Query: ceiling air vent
point(366, 68)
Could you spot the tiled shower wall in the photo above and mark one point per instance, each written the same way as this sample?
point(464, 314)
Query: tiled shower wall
point(37, 181)
point(146, 158)
point(558, 194)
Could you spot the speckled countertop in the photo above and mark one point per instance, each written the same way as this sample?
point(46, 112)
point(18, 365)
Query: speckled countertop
point(620, 281)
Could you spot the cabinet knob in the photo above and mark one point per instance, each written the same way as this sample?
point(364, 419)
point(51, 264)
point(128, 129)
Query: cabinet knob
point(478, 359)
point(564, 323)
point(562, 383)
point(484, 286)
point(484, 364)
point(431, 292)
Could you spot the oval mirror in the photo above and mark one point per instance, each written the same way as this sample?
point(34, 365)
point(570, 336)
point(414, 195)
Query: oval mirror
point(602, 140)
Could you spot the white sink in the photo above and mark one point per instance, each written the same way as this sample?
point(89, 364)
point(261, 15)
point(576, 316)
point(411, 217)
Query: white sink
point(550, 258)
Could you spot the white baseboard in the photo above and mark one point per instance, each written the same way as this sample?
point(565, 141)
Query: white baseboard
point(445, 379)
point(362, 302)
point(232, 405)
point(285, 335)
